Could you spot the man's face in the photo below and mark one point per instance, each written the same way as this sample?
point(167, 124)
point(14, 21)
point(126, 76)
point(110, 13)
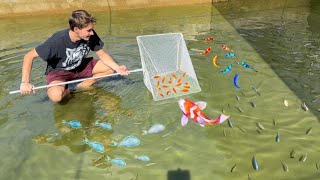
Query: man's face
point(85, 32)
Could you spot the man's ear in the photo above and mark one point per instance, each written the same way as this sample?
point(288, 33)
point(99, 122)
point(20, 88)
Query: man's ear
point(76, 30)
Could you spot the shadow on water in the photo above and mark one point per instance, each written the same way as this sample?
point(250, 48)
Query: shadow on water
point(178, 175)
point(288, 40)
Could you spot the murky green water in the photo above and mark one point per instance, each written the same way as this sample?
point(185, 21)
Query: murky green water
point(280, 40)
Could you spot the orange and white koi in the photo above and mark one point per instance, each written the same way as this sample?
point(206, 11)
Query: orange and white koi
point(214, 61)
point(207, 51)
point(193, 111)
point(225, 47)
point(209, 39)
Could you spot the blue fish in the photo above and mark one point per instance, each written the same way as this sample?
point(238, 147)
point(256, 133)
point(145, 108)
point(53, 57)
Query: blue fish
point(228, 69)
point(144, 158)
point(94, 145)
point(117, 161)
point(129, 141)
point(244, 64)
point(104, 125)
point(72, 124)
point(255, 164)
point(230, 55)
point(278, 137)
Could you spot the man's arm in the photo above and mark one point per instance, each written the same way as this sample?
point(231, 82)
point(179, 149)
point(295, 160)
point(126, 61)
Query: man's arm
point(25, 86)
point(108, 61)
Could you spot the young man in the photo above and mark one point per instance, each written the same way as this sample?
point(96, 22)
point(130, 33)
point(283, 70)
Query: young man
point(65, 53)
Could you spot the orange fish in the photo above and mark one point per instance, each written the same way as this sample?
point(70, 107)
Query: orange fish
point(157, 76)
point(186, 83)
point(163, 79)
point(184, 90)
point(173, 75)
point(179, 81)
point(206, 51)
point(170, 81)
point(225, 47)
point(165, 86)
point(174, 90)
point(179, 84)
point(158, 84)
point(187, 87)
point(184, 74)
point(209, 39)
point(161, 94)
point(168, 92)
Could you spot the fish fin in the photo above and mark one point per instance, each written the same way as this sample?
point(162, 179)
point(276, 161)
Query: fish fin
point(221, 118)
point(201, 121)
point(144, 132)
point(202, 125)
point(201, 104)
point(184, 120)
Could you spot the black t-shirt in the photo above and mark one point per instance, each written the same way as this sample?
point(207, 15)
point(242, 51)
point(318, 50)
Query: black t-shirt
point(61, 53)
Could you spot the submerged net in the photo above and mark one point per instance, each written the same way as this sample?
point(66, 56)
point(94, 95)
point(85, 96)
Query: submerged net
point(166, 65)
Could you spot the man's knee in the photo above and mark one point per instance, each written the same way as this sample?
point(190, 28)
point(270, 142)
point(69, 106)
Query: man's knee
point(56, 94)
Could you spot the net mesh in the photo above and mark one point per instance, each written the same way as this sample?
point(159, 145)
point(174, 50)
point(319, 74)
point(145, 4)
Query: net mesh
point(167, 67)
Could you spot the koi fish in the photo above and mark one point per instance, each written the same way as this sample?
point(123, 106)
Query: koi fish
point(209, 39)
point(174, 90)
point(225, 47)
point(214, 61)
point(186, 87)
point(244, 64)
point(179, 81)
point(228, 69)
point(193, 111)
point(206, 51)
point(173, 75)
point(230, 55)
point(160, 94)
point(165, 86)
point(163, 79)
point(179, 84)
point(168, 92)
point(156, 77)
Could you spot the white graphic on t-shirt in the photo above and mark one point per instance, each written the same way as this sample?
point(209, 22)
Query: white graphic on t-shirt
point(75, 56)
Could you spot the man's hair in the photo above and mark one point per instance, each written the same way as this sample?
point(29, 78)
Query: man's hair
point(80, 19)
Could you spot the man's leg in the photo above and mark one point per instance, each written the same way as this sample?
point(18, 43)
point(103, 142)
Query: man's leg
point(99, 69)
point(57, 93)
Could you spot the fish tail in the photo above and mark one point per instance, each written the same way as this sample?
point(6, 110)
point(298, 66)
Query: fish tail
point(144, 132)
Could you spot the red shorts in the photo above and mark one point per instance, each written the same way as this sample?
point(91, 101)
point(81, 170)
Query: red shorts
point(83, 71)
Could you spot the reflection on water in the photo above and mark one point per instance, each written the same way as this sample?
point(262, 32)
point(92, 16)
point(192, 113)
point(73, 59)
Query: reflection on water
point(279, 39)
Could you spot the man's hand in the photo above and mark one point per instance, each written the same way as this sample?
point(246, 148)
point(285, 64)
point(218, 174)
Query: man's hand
point(26, 88)
point(122, 70)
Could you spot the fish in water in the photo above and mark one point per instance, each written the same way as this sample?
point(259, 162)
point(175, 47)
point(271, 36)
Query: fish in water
point(94, 145)
point(304, 107)
point(230, 55)
point(75, 124)
point(244, 64)
point(230, 123)
point(285, 167)
point(278, 137)
point(228, 69)
point(143, 158)
point(130, 141)
point(292, 154)
point(193, 111)
point(104, 125)
point(214, 61)
point(156, 128)
point(117, 161)
point(209, 39)
point(255, 164)
point(235, 81)
point(207, 51)
point(225, 47)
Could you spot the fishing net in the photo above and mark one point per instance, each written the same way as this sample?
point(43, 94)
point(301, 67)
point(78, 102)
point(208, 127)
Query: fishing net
point(167, 67)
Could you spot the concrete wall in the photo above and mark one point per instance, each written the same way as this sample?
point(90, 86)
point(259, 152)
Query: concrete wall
point(31, 7)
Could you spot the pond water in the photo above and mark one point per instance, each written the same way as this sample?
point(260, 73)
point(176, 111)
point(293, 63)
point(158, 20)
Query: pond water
point(280, 40)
